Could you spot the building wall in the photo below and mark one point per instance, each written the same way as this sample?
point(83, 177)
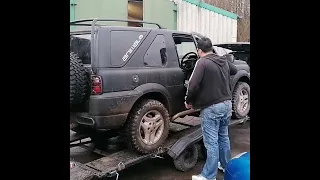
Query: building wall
point(184, 15)
point(159, 11)
point(116, 9)
point(163, 12)
point(217, 24)
point(72, 10)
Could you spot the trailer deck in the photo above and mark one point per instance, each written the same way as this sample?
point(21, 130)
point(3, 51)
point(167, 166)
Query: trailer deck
point(113, 162)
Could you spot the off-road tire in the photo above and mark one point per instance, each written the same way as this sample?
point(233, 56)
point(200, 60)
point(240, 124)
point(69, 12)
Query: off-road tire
point(187, 159)
point(132, 126)
point(235, 100)
point(78, 81)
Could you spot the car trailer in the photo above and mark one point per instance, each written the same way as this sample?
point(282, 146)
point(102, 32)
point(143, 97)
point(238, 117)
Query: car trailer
point(180, 143)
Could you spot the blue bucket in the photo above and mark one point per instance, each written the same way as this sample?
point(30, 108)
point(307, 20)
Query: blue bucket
point(238, 168)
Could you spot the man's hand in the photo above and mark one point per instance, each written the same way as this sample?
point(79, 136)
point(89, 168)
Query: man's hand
point(188, 106)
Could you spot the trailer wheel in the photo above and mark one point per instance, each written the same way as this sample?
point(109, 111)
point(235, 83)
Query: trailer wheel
point(147, 126)
point(188, 159)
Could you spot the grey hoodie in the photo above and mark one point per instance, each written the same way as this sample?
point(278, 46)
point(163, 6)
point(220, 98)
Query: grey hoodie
point(210, 81)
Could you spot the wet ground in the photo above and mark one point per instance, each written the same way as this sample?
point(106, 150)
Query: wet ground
point(163, 169)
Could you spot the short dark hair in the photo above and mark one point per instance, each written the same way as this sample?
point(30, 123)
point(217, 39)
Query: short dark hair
point(205, 45)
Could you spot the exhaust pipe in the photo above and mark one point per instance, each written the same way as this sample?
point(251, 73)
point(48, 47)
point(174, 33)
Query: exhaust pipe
point(184, 113)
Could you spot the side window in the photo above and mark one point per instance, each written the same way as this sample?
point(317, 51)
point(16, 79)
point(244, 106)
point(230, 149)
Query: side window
point(156, 55)
point(184, 44)
point(123, 45)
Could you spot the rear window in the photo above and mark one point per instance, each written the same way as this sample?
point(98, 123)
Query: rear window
point(81, 45)
point(124, 45)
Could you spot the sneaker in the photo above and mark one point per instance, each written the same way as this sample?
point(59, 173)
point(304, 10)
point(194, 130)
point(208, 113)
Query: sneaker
point(199, 177)
point(220, 167)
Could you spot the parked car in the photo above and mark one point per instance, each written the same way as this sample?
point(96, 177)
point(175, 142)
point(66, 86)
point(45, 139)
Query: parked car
point(240, 50)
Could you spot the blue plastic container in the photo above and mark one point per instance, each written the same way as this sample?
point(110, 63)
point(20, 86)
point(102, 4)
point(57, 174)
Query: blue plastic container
point(238, 168)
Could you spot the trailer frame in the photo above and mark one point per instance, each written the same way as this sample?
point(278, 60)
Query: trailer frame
point(110, 164)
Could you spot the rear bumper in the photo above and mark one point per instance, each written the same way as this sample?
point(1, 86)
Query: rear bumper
point(108, 111)
point(102, 122)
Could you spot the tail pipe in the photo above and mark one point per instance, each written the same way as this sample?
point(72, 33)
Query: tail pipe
point(184, 113)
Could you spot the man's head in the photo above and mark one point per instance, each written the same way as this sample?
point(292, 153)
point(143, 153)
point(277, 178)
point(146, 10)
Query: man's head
point(204, 47)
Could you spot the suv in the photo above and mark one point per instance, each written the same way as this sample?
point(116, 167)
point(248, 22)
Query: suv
point(130, 79)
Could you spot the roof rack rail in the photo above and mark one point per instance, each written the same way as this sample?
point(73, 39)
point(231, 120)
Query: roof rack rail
point(94, 21)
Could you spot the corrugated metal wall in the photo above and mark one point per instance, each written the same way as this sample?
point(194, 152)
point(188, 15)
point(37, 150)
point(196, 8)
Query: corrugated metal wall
point(217, 24)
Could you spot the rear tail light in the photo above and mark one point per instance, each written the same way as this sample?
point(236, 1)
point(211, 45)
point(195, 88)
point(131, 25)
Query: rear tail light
point(96, 85)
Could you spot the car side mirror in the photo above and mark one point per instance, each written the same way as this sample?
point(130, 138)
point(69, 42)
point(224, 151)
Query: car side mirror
point(229, 57)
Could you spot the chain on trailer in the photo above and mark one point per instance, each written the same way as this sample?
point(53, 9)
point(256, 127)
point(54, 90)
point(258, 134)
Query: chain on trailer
point(160, 150)
point(121, 165)
point(113, 173)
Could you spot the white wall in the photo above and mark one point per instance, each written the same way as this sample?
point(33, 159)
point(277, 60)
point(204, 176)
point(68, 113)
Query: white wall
point(192, 18)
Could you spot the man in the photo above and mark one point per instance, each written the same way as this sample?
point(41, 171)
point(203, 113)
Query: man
point(209, 90)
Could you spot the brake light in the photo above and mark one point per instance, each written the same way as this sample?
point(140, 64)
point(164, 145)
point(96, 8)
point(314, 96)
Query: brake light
point(96, 85)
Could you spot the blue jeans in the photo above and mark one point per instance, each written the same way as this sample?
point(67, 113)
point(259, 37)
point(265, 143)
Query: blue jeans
point(215, 122)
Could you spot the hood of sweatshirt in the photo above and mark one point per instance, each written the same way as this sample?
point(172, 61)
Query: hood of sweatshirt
point(221, 61)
